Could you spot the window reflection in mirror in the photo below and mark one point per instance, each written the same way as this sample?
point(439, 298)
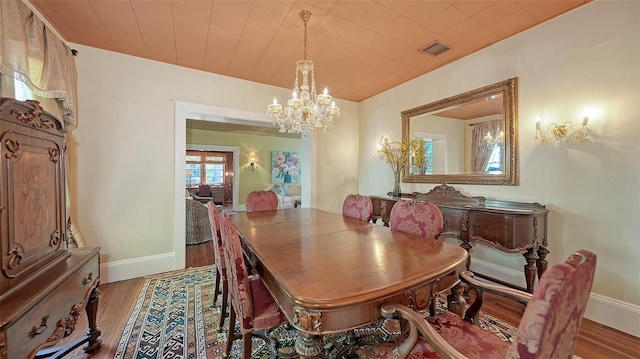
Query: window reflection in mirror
point(469, 138)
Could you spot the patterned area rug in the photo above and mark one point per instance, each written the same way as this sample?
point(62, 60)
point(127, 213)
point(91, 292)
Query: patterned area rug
point(175, 317)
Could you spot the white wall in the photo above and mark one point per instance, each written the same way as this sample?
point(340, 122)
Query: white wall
point(586, 58)
point(122, 154)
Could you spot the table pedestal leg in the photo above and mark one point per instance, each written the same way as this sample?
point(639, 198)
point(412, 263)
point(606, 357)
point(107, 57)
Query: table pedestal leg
point(309, 346)
point(456, 301)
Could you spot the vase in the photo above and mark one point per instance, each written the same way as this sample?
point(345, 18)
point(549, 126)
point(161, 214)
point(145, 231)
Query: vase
point(287, 178)
point(396, 184)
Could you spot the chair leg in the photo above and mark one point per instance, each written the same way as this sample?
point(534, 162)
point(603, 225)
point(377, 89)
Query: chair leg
point(246, 341)
point(217, 291)
point(223, 313)
point(230, 333)
point(270, 340)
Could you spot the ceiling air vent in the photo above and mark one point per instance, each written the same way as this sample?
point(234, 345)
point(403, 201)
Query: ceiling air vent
point(434, 49)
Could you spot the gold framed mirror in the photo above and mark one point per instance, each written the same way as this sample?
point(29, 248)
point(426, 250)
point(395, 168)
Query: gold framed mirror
point(470, 138)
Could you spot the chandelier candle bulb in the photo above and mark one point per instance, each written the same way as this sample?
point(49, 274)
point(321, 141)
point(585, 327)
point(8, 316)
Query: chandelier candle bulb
point(585, 120)
point(275, 107)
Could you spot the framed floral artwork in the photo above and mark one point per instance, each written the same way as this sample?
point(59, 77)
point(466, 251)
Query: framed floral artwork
point(285, 167)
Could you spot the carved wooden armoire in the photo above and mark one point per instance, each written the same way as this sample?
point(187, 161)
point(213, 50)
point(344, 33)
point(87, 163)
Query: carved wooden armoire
point(44, 285)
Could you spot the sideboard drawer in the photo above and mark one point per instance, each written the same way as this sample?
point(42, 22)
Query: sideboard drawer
point(62, 307)
point(514, 233)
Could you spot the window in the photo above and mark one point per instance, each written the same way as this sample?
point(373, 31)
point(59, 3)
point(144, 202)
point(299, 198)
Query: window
point(205, 168)
point(495, 161)
point(427, 166)
point(428, 158)
point(22, 91)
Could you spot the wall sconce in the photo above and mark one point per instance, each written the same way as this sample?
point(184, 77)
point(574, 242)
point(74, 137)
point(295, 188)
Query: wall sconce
point(253, 160)
point(562, 132)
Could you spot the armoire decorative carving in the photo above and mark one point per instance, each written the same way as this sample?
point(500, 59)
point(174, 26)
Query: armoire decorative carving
point(44, 285)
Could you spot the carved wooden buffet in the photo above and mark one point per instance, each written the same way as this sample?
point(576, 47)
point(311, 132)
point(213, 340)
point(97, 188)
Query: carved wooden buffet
point(44, 285)
point(512, 227)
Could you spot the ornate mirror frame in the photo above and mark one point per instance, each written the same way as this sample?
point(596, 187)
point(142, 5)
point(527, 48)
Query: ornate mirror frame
point(509, 175)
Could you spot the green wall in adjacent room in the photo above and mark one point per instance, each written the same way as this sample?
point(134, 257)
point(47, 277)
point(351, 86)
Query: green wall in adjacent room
point(261, 146)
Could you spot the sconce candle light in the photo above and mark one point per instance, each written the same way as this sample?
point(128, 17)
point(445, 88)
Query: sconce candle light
point(253, 160)
point(562, 132)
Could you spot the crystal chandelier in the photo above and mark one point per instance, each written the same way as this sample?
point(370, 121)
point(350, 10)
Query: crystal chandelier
point(306, 110)
point(490, 140)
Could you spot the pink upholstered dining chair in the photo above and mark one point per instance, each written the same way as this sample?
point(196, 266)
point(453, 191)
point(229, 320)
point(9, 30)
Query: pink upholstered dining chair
point(261, 201)
point(417, 217)
point(358, 206)
point(251, 302)
point(221, 273)
point(548, 328)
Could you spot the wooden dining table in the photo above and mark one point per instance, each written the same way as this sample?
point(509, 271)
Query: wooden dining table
point(330, 273)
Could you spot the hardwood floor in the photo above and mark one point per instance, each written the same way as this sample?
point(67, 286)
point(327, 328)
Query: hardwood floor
point(594, 341)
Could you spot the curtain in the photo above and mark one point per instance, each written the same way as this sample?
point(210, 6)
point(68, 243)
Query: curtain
point(33, 54)
point(481, 150)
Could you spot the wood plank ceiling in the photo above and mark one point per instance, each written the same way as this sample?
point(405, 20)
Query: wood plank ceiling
point(359, 48)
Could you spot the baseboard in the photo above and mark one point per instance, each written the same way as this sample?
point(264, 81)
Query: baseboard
point(610, 312)
point(136, 267)
point(504, 274)
point(614, 313)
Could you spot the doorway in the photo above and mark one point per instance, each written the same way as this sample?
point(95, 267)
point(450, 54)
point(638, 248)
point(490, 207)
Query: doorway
point(188, 110)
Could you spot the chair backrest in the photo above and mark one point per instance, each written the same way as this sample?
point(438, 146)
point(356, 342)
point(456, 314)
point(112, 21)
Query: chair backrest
point(197, 227)
point(215, 219)
point(261, 201)
point(237, 275)
point(204, 190)
point(551, 320)
point(417, 217)
point(358, 206)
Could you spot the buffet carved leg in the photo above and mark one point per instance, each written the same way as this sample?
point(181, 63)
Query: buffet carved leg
point(93, 334)
point(541, 263)
point(309, 346)
point(384, 214)
point(530, 268)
